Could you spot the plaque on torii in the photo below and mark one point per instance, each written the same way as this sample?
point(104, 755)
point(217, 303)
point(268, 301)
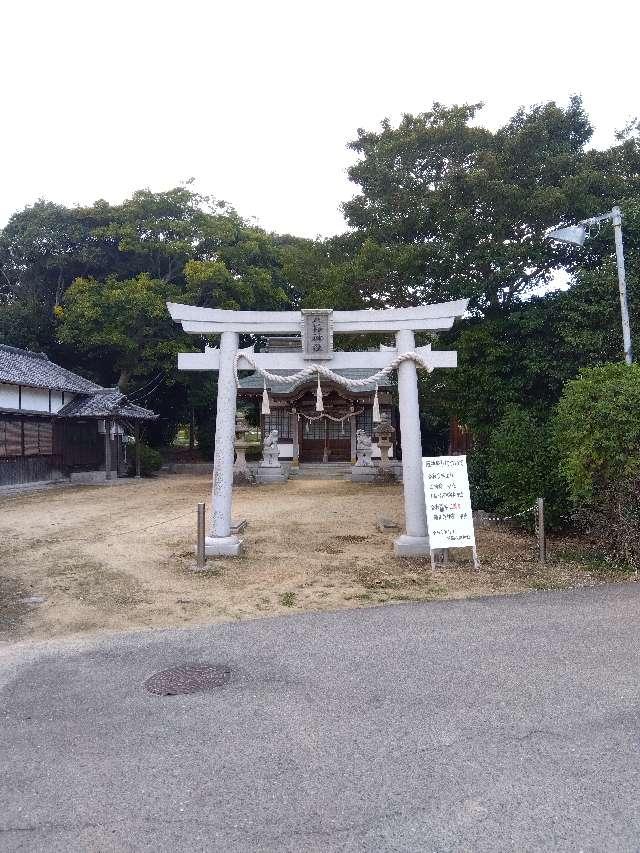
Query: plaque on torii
point(317, 328)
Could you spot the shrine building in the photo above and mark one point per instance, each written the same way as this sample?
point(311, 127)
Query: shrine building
point(306, 435)
point(56, 425)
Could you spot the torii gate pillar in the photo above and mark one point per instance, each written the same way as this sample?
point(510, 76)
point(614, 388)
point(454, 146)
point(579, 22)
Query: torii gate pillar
point(221, 541)
point(416, 538)
point(317, 332)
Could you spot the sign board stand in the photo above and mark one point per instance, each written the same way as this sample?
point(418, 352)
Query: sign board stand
point(448, 505)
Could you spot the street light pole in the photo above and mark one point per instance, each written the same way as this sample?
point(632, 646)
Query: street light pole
point(616, 216)
point(576, 234)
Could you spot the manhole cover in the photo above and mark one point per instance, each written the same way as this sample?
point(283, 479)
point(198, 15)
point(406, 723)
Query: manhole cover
point(188, 678)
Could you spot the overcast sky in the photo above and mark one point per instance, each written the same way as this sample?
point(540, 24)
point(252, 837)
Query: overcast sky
point(257, 100)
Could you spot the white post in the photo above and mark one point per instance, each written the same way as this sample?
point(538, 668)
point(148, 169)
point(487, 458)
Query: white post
point(221, 540)
point(415, 540)
point(622, 285)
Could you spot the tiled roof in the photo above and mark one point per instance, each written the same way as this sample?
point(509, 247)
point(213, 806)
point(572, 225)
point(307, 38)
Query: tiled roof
point(107, 403)
point(255, 381)
point(23, 367)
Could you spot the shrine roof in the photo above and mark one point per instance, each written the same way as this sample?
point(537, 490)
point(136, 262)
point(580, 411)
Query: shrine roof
point(23, 367)
point(108, 403)
point(254, 382)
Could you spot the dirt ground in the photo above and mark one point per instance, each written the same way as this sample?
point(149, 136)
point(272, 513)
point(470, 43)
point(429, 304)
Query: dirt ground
point(92, 558)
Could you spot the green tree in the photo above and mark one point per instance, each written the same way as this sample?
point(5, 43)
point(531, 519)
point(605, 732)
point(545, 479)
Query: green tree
point(159, 231)
point(457, 210)
point(125, 324)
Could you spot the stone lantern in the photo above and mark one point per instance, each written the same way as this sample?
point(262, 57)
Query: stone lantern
point(385, 433)
point(241, 471)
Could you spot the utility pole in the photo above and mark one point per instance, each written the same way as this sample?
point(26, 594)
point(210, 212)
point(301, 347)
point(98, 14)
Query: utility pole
point(616, 216)
point(576, 235)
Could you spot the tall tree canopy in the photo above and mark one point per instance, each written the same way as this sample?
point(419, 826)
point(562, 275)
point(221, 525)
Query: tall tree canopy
point(88, 285)
point(448, 208)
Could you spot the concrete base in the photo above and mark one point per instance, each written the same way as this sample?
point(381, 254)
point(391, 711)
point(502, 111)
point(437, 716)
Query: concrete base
point(377, 474)
point(271, 474)
point(89, 477)
point(411, 546)
point(223, 546)
point(363, 474)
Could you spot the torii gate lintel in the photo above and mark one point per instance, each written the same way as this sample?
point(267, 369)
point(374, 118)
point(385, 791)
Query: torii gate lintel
point(228, 358)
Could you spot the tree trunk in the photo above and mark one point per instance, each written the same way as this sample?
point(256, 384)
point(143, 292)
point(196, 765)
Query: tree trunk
point(123, 380)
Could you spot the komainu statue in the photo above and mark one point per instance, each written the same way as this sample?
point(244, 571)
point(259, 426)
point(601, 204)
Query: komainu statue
point(270, 451)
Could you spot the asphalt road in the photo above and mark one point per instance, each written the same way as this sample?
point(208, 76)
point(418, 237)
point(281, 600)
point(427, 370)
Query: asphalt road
point(496, 724)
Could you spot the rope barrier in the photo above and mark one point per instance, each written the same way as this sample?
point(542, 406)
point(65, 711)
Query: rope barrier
point(330, 417)
point(323, 370)
point(498, 518)
point(122, 532)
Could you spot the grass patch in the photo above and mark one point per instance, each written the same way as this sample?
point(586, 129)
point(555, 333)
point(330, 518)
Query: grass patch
point(376, 578)
point(288, 599)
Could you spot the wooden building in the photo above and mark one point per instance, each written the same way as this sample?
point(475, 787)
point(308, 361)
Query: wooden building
point(305, 435)
point(55, 424)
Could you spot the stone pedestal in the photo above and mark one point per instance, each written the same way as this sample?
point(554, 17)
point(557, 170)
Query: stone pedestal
point(411, 546)
point(271, 474)
point(223, 546)
point(384, 446)
point(363, 474)
point(384, 476)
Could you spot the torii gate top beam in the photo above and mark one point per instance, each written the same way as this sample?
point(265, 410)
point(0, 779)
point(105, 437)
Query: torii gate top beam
point(208, 321)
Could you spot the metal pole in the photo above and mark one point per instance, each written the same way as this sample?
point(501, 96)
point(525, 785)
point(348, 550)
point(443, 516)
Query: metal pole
point(200, 539)
point(542, 542)
point(622, 284)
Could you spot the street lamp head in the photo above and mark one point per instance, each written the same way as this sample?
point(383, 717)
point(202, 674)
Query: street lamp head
point(574, 234)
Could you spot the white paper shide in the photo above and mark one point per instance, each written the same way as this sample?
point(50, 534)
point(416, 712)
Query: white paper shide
point(446, 491)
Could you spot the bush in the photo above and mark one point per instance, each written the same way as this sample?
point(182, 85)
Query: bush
point(522, 465)
point(597, 434)
point(150, 461)
point(597, 430)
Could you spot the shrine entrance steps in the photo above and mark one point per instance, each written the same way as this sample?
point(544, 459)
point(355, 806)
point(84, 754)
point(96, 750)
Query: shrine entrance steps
point(322, 471)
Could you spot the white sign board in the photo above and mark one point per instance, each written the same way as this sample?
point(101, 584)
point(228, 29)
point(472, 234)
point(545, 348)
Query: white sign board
point(446, 492)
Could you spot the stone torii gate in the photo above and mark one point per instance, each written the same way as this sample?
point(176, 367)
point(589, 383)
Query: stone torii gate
point(317, 328)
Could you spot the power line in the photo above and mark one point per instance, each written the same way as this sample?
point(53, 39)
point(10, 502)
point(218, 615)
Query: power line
point(146, 384)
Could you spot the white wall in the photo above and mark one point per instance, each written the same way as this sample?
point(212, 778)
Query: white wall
point(285, 450)
point(9, 396)
point(35, 399)
point(56, 400)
